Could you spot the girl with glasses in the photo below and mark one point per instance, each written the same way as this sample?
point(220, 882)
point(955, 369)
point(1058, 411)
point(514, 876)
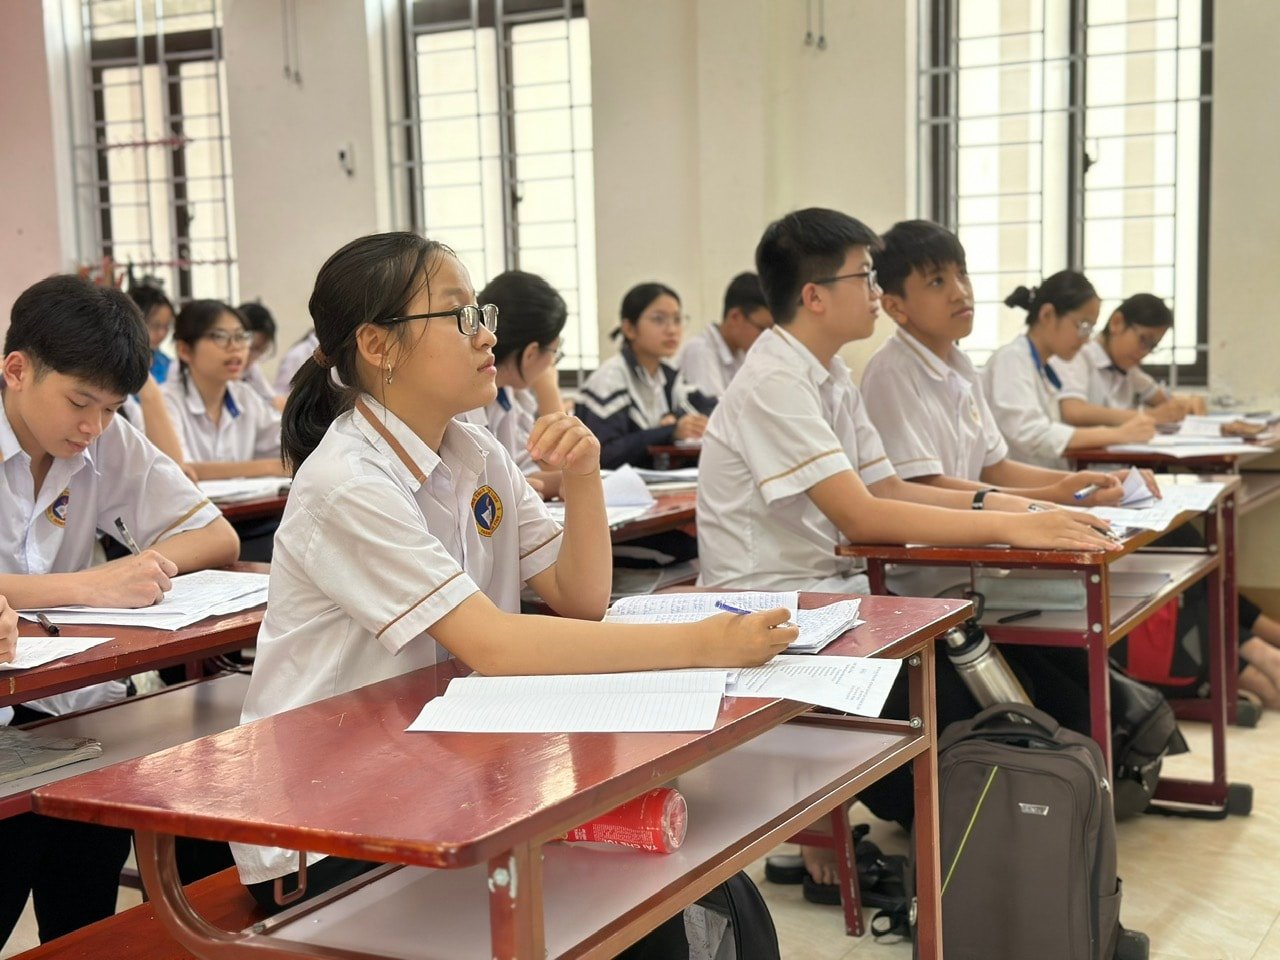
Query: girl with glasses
point(1023, 389)
point(636, 399)
point(226, 429)
point(409, 533)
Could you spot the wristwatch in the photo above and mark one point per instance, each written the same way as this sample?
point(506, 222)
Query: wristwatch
point(978, 497)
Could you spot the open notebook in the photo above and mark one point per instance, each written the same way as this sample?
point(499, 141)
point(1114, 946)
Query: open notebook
point(24, 754)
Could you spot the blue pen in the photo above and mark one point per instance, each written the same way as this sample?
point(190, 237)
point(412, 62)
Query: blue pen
point(730, 608)
point(1085, 492)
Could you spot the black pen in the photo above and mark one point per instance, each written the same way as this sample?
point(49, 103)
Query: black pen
point(49, 626)
point(1015, 617)
point(126, 537)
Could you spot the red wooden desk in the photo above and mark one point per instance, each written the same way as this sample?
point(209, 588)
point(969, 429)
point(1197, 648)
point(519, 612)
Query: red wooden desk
point(134, 650)
point(342, 777)
point(254, 509)
point(1106, 620)
point(671, 512)
point(668, 455)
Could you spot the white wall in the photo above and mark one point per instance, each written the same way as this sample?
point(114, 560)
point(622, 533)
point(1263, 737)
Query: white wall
point(294, 204)
point(30, 244)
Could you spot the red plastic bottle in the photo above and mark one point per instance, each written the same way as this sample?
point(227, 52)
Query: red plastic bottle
point(655, 821)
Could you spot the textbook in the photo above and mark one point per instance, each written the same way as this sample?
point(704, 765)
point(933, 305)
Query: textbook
point(24, 754)
point(241, 489)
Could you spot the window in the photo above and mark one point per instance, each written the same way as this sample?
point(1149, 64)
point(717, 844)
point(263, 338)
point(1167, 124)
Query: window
point(1073, 133)
point(153, 168)
point(498, 111)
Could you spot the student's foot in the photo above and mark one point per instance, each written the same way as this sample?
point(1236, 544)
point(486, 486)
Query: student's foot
point(821, 864)
point(1256, 682)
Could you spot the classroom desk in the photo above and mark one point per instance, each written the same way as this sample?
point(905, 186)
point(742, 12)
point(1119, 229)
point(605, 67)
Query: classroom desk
point(1219, 463)
point(1106, 619)
point(671, 512)
point(134, 650)
point(1257, 489)
point(667, 456)
point(260, 509)
point(472, 815)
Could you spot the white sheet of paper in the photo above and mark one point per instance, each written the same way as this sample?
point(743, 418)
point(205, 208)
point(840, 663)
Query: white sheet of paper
point(686, 607)
point(1156, 517)
point(573, 685)
point(681, 474)
point(1192, 496)
point(858, 685)
point(244, 488)
point(1136, 491)
point(584, 713)
point(205, 593)
point(37, 651)
point(614, 516)
point(624, 488)
point(1215, 449)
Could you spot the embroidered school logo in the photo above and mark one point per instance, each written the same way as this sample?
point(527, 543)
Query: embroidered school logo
point(57, 512)
point(486, 507)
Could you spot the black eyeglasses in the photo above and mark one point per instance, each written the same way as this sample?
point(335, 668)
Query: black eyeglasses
point(470, 318)
point(869, 275)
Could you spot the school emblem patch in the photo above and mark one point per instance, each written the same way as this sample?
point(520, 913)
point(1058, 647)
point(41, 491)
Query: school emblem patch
point(486, 507)
point(57, 511)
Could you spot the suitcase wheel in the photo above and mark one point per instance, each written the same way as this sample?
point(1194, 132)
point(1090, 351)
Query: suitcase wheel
point(1132, 945)
point(1239, 799)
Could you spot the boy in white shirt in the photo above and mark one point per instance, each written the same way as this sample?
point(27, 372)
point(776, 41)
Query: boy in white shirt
point(70, 468)
point(710, 360)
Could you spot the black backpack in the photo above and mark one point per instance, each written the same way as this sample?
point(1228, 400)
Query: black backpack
point(732, 922)
point(1143, 731)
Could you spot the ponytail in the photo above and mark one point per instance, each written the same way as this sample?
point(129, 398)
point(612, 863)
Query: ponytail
point(1065, 291)
point(369, 280)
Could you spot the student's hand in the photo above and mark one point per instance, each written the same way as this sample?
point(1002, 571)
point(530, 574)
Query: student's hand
point(1171, 411)
point(1058, 530)
point(8, 631)
point(546, 482)
point(1149, 479)
point(1109, 493)
point(1137, 429)
point(746, 640)
point(562, 442)
point(691, 426)
point(140, 581)
point(1193, 405)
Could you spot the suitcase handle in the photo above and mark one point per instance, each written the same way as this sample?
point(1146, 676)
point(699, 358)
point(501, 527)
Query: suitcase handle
point(999, 714)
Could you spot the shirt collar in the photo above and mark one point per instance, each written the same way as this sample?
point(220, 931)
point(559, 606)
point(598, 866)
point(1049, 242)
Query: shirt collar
point(412, 457)
point(1096, 354)
point(812, 368)
point(934, 365)
point(629, 356)
point(727, 356)
point(1042, 368)
point(195, 402)
point(504, 399)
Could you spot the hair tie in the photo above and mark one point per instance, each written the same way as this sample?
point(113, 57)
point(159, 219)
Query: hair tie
point(318, 356)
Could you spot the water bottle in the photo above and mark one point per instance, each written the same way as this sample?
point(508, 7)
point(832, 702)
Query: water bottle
point(655, 821)
point(982, 667)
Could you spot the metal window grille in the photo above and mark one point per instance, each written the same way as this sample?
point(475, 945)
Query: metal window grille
point(152, 155)
point(496, 133)
point(1073, 133)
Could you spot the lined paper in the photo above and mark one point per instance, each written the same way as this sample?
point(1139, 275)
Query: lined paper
point(858, 685)
point(37, 651)
point(205, 593)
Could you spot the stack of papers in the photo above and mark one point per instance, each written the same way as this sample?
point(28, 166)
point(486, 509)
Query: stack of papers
point(207, 593)
point(1136, 491)
point(850, 684)
point(625, 488)
point(679, 475)
point(1158, 515)
point(244, 488)
point(37, 651)
point(24, 754)
point(615, 516)
point(818, 627)
point(1191, 447)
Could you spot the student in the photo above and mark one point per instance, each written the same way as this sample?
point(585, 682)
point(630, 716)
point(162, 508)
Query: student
point(157, 311)
point(8, 638)
point(444, 523)
point(69, 468)
point(527, 351)
point(1023, 389)
point(925, 397)
point(227, 430)
point(1105, 385)
point(634, 400)
point(293, 360)
point(710, 360)
point(262, 326)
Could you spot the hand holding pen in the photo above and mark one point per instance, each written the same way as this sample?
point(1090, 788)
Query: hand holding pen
point(730, 608)
point(140, 580)
point(747, 639)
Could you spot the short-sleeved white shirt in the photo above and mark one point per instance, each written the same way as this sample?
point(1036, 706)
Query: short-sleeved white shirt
point(930, 413)
point(708, 364)
point(249, 428)
point(293, 360)
point(510, 418)
point(121, 474)
point(1023, 394)
point(785, 424)
point(255, 378)
point(1092, 377)
point(380, 539)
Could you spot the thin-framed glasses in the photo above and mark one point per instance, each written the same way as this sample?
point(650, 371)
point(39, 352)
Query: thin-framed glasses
point(470, 318)
point(869, 275)
point(1148, 342)
point(227, 339)
point(666, 319)
point(1085, 328)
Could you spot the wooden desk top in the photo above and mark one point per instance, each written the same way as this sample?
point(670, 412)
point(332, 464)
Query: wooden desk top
point(995, 555)
point(133, 650)
point(1248, 449)
point(254, 509)
point(672, 511)
point(343, 777)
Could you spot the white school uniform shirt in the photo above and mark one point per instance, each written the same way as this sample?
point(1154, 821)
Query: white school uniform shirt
point(510, 418)
point(256, 379)
point(930, 413)
point(785, 424)
point(428, 529)
point(1023, 394)
point(121, 474)
point(293, 360)
point(249, 428)
point(708, 364)
point(1092, 377)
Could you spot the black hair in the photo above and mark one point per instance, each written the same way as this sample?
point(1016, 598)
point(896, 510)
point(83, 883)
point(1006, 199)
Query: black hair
point(148, 298)
point(744, 293)
point(1145, 310)
point(258, 319)
point(638, 299)
point(911, 245)
point(95, 334)
point(196, 319)
point(529, 311)
point(367, 281)
point(803, 245)
point(1065, 291)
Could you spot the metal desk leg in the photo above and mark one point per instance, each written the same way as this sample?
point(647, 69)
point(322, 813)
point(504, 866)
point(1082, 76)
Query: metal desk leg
point(924, 769)
point(515, 904)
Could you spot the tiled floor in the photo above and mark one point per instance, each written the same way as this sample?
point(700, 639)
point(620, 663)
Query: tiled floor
point(1202, 890)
